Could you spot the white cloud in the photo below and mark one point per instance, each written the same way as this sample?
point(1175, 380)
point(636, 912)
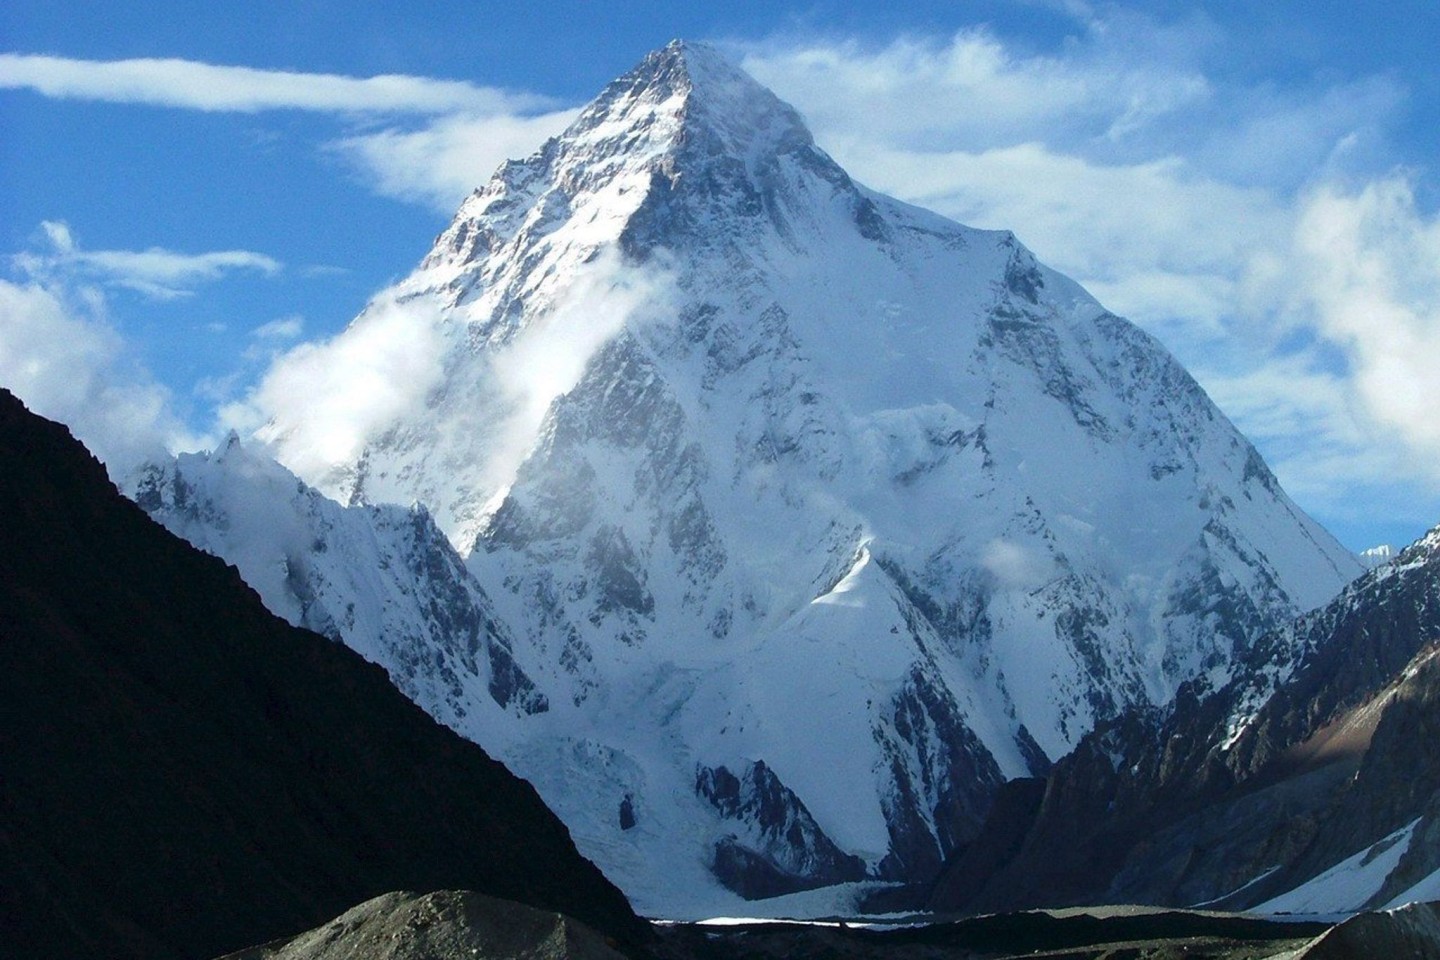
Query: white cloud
point(267, 342)
point(194, 85)
point(285, 328)
point(439, 164)
point(549, 356)
point(1143, 231)
point(60, 356)
point(469, 129)
point(325, 399)
point(157, 273)
point(320, 404)
point(1368, 267)
point(973, 91)
point(1015, 566)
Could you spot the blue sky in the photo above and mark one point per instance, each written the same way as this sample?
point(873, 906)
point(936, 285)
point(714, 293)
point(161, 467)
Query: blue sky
point(186, 194)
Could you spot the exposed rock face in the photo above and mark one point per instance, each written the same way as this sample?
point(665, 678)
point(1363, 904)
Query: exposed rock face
point(756, 465)
point(1278, 782)
point(445, 925)
point(1410, 933)
point(783, 850)
point(185, 773)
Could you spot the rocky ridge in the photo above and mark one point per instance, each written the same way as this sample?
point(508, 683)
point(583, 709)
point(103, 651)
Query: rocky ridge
point(1284, 790)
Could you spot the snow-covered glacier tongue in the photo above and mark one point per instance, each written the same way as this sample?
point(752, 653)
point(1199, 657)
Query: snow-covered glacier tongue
point(805, 517)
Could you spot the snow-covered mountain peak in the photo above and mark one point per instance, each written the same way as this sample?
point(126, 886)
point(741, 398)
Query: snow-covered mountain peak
point(770, 476)
point(705, 96)
point(684, 144)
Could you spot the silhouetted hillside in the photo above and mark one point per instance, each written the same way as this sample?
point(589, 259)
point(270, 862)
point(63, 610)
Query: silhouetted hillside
point(183, 774)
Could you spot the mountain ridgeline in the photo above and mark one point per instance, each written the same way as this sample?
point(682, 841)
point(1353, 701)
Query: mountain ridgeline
point(1308, 784)
point(768, 525)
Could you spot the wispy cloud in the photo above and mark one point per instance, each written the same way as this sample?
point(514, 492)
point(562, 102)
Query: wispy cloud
point(440, 139)
point(971, 90)
point(442, 161)
point(194, 85)
point(285, 328)
point(321, 403)
point(62, 355)
point(157, 273)
point(323, 400)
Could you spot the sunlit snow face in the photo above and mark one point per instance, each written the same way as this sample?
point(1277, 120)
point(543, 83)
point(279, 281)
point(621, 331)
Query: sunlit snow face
point(546, 359)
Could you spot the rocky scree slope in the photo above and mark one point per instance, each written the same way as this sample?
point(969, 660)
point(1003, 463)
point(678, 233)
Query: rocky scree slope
point(810, 517)
point(184, 774)
point(444, 925)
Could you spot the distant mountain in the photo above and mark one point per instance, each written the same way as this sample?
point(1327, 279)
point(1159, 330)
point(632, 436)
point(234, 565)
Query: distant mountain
point(182, 774)
point(1377, 556)
point(1308, 784)
point(795, 519)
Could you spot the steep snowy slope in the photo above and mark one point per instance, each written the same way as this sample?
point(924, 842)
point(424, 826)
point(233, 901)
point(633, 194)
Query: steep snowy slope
point(382, 578)
point(812, 516)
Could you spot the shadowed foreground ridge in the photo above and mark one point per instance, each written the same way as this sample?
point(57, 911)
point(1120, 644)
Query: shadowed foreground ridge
point(185, 774)
point(439, 926)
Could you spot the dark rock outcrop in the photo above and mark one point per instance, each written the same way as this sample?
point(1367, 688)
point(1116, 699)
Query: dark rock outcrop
point(183, 773)
point(780, 849)
point(1411, 933)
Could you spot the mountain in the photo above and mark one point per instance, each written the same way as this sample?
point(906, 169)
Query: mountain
point(811, 517)
point(184, 774)
point(1308, 784)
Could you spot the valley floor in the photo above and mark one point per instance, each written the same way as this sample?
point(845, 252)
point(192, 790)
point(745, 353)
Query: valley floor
point(451, 925)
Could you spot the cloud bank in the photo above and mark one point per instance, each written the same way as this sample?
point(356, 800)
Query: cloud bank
point(62, 358)
point(325, 399)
